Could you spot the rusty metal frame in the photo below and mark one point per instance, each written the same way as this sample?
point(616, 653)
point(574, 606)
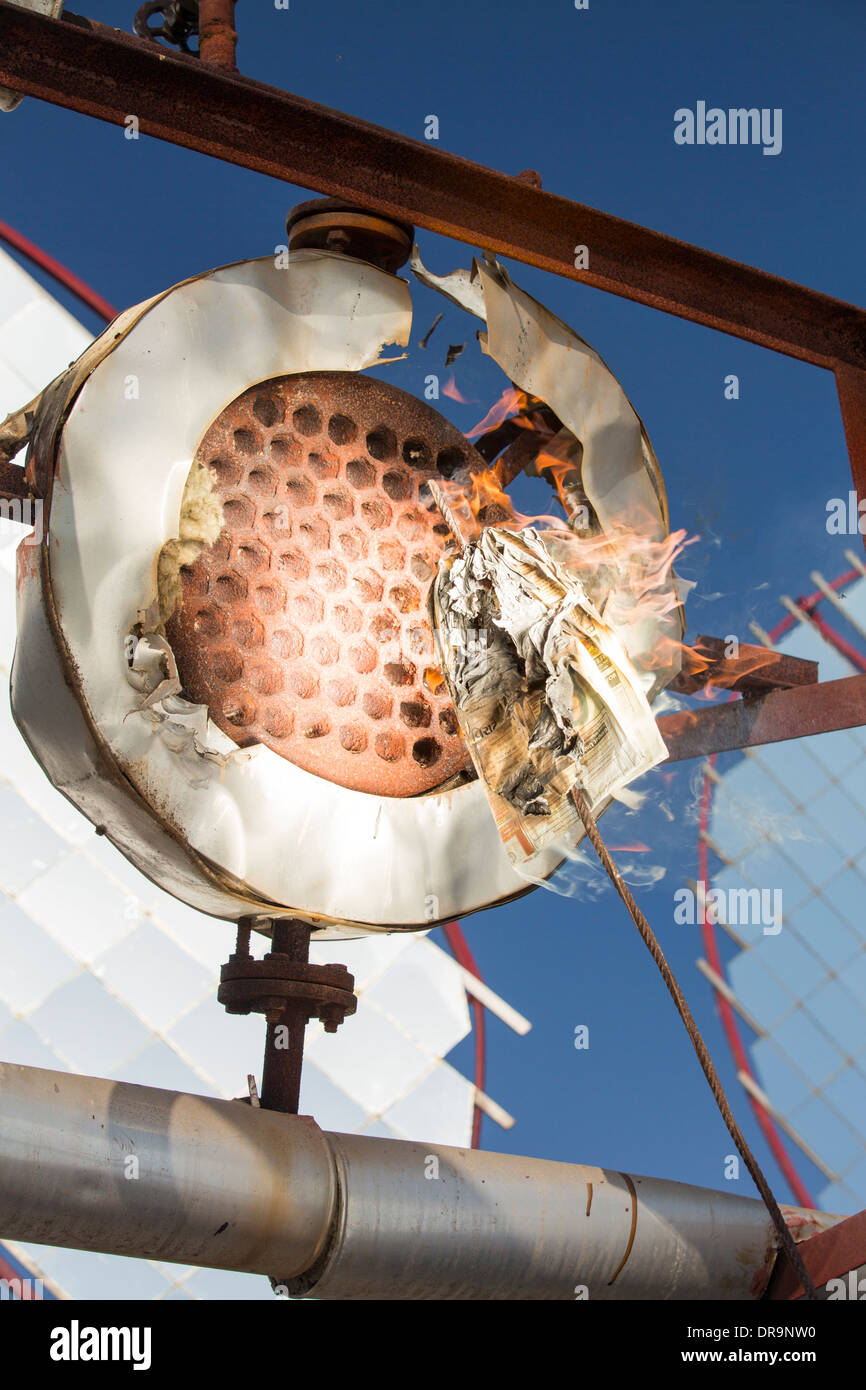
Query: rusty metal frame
point(783, 714)
point(754, 670)
point(828, 1255)
point(91, 68)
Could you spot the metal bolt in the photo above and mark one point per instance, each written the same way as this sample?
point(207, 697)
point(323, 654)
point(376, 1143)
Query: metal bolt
point(331, 1016)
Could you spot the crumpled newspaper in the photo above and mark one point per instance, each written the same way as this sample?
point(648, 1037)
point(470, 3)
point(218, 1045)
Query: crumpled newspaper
point(545, 693)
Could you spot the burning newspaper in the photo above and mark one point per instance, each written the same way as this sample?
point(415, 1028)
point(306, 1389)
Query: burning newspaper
point(544, 691)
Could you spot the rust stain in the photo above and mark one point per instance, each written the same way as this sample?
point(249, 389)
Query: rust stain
point(588, 1197)
point(631, 1235)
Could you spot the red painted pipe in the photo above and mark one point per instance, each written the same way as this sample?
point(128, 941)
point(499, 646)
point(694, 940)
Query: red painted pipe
point(729, 1020)
point(59, 272)
point(463, 955)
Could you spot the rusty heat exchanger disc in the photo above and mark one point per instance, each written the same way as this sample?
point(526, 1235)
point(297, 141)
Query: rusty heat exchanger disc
point(304, 627)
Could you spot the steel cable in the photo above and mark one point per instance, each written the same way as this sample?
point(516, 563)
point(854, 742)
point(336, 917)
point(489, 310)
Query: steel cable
point(786, 1240)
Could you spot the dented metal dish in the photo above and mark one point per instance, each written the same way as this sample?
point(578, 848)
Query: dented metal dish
point(140, 736)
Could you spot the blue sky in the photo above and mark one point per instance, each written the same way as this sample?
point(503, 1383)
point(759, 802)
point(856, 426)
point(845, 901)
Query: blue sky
point(588, 99)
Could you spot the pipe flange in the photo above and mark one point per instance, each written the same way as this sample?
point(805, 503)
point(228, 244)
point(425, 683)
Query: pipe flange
point(267, 986)
point(329, 224)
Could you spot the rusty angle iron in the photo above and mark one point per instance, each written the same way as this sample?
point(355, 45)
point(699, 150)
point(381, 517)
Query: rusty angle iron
point(79, 63)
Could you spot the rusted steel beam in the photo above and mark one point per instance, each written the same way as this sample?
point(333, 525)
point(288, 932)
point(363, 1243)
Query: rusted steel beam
point(217, 39)
point(851, 387)
point(772, 718)
point(96, 70)
point(754, 668)
point(828, 1255)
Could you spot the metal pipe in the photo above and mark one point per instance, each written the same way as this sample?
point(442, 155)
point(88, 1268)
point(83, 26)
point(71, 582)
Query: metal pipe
point(130, 1170)
point(217, 39)
point(284, 1043)
point(493, 1226)
point(102, 1165)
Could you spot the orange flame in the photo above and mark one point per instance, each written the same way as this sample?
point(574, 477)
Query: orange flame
point(626, 570)
point(509, 404)
point(524, 409)
point(721, 674)
point(450, 390)
point(556, 463)
point(627, 574)
point(484, 502)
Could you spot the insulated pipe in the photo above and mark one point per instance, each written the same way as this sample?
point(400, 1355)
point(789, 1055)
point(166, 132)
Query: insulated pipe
point(129, 1170)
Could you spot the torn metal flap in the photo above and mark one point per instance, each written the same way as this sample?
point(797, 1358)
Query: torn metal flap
point(546, 358)
point(462, 287)
point(618, 472)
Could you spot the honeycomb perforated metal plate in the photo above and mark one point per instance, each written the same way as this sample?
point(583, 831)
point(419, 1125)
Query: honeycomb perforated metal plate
point(304, 626)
